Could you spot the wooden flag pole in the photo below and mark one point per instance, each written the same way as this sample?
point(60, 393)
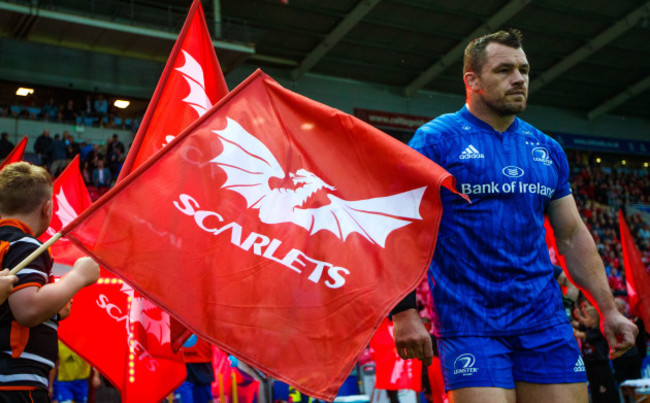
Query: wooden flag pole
point(233, 375)
point(222, 393)
point(35, 254)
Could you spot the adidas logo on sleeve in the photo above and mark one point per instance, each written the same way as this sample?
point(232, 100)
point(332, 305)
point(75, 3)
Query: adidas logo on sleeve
point(471, 152)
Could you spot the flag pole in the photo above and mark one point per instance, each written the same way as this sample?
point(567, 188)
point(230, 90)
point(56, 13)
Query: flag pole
point(222, 393)
point(234, 395)
point(36, 253)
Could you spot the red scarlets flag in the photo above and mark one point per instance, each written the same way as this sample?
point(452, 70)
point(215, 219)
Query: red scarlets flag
point(70, 198)
point(16, 155)
point(275, 227)
point(392, 372)
point(106, 319)
point(556, 258)
point(636, 276)
point(190, 84)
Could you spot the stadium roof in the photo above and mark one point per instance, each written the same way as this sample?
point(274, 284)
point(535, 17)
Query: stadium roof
point(590, 56)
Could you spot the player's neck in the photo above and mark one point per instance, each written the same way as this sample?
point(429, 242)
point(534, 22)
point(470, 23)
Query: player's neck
point(499, 122)
point(30, 220)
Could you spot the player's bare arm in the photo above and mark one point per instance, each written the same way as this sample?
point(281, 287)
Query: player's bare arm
point(587, 272)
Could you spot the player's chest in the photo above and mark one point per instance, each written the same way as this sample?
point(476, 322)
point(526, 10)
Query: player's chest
point(502, 166)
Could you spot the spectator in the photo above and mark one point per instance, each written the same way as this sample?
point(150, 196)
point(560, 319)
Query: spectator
point(5, 145)
point(43, 148)
point(200, 374)
point(101, 106)
point(73, 148)
point(85, 151)
point(68, 114)
point(101, 176)
point(72, 377)
point(50, 111)
point(87, 173)
point(87, 110)
point(114, 154)
point(59, 155)
point(595, 353)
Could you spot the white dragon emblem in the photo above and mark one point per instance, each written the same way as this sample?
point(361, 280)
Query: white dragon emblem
point(197, 98)
point(64, 211)
point(154, 320)
point(249, 165)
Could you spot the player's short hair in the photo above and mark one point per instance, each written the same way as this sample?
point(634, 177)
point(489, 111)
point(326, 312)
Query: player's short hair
point(23, 188)
point(474, 57)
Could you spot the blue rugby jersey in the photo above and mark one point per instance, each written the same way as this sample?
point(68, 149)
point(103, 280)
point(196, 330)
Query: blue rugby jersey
point(491, 273)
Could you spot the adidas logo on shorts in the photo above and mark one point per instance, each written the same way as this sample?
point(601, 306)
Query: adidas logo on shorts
point(470, 152)
point(580, 365)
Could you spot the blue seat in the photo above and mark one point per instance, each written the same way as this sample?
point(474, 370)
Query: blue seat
point(15, 109)
point(88, 121)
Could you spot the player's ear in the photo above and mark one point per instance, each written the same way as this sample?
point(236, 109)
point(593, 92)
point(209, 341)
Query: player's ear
point(472, 81)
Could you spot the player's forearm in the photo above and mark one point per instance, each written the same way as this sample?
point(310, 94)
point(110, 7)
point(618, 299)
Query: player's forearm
point(586, 269)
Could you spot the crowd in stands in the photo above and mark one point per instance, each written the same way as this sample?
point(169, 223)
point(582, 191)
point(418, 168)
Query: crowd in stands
point(92, 111)
point(99, 163)
point(600, 191)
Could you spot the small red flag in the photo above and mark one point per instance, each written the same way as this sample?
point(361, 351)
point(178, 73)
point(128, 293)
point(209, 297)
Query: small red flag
point(276, 218)
point(16, 155)
point(191, 83)
point(636, 276)
point(118, 332)
point(70, 198)
point(392, 372)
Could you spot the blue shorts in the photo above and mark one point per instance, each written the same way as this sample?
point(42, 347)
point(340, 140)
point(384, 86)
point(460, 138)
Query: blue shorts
point(68, 391)
point(191, 393)
point(547, 356)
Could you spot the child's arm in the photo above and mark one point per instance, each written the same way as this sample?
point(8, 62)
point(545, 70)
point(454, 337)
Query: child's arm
point(34, 305)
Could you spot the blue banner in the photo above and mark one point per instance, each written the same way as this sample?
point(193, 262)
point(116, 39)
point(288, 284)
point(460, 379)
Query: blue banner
point(605, 144)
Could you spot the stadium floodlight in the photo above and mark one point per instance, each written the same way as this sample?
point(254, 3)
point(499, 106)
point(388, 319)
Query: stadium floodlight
point(623, 162)
point(598, 160)
point(23, 92)
point(120, 103)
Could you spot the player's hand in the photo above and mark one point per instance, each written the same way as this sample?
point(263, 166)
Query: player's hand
point(620, 333)
point(411, 338)
point(7, 282)
point(87, 269)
